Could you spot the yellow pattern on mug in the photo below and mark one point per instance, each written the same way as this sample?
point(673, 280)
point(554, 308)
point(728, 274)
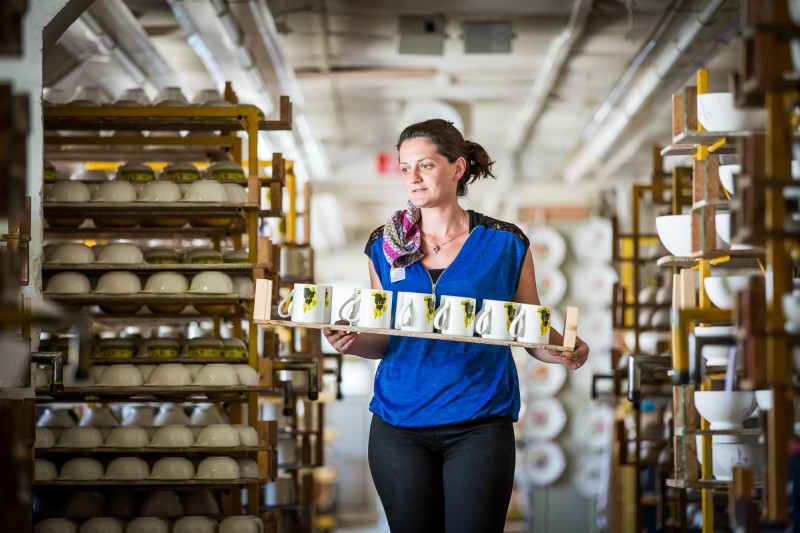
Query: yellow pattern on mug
point(379, 298)
point(309, 299)
point(327, 298)
point(469, 312)
point(544, 319)
point(511, 313)
point(430, 307)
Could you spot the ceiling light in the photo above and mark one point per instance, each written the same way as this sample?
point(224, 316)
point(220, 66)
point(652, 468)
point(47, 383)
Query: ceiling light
point(422, 35)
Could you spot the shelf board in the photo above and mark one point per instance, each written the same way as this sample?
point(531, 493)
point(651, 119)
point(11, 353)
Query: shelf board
point(158, 319)
point(151, 209)
point(148, 267)
point(186, 153)
point(701, 484)
point(399, 333)
point(141, 233)
point(736, 259)
point(741, 431)
point(136, 360)
point(151, 450)
point(148, 483)
point(709, 138)
point(147, 299)
point(128, 394)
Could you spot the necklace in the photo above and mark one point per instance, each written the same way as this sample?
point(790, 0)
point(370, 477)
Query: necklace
point(438, 246)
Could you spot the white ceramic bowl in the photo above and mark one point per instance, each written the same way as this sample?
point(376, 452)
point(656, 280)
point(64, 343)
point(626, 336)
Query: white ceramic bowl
point(147, 524)
point(128, 437)
point(206, 191)
point(139, 415)
point(118, 282)
point(170, 375)
point(68, 191)
point(718, 112)
point(121, 253)
point(727, 455)
point(241, 524)
point(675, 233)
point(236, 193)
point(44, 438)
point(715, 354)
point(248, 468)
point(146, 371)
point(722, 224)
point(103, 524)
point(55, 525)
point(167, 282)
point(169, 95)
point(248, 376)
point(764, 399)
point(114, 191)
point(56, 418)
point(218, 436)
point(727, 174)
point(218, 468)
point(127, 469)
point(81, 469)
point(44, 470)
point(171, 415)
point(172, 437)
point(217, 375)
point(121, 376)
point(68, 283)
point(80, 437)
point(173, 468)
point(200, 502)
point(248, 435)
point(725, 410)
point(236, 256)
point(163, 503)
point(722, 290)
point(195, 524)
point(72, 253)
point(243, 285)
point(98, 416)
point(207, 415)
point(211, 282)
point(790, 303)
point(160, 191)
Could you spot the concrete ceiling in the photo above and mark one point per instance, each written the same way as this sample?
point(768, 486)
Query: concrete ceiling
point(580, 97)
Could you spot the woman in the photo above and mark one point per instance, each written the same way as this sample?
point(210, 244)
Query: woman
point(441, 447)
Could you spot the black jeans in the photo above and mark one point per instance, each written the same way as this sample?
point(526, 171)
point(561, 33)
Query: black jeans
point(454, 478)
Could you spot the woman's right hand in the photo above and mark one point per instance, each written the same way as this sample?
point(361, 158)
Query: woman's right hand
point(340, 340)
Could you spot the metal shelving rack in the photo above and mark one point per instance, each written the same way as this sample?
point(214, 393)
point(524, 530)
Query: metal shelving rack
point(214, 134)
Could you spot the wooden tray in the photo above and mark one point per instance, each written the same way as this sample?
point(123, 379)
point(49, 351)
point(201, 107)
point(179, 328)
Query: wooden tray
point(263, 311)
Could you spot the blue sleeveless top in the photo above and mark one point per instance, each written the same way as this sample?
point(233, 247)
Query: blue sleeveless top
point(426, 382)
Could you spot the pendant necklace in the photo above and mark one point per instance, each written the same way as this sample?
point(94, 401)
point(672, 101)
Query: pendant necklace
point(438, 246)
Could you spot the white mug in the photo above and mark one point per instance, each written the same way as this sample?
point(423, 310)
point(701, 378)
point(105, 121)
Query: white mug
point(306, 303)
point(456, 316)
point(368, 308)
point(326, 318)
point(532, 324)
point(495, 318)
point(415, 311)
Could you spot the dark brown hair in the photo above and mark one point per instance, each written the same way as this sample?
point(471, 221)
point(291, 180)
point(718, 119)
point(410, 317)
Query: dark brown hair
point(452, 145)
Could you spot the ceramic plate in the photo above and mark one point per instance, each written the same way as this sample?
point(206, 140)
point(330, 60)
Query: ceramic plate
point(594, 284)
point(593, 427)
point(592, 240)
point(543, 379)
point(552, 285)
point(544, 463)
point(590, 476)
point(597, 329)
point(547, 246)
point(544, 419)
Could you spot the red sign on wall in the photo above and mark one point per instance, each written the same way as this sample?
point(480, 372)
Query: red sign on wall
point(387, 165)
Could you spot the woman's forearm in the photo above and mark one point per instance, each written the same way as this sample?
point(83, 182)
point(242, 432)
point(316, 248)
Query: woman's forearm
point(544, 355)
point(369, 346)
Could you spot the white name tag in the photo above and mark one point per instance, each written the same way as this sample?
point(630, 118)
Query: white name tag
point(397, 274)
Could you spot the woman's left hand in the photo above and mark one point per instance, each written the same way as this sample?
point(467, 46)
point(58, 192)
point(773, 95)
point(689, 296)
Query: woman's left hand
point(574, 359)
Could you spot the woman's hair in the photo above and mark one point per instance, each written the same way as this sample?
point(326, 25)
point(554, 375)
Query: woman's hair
point(452, 145)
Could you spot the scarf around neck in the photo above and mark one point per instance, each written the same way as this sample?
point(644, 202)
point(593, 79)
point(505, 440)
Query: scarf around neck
point(401, 237)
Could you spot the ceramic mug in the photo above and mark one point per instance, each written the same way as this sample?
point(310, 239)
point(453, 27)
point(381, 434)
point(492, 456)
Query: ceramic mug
point(326, 314)
point(532, 324)
point(495, 318)
point(455, 316)
point(368, 308)
point(306, 303)
point(415, 311)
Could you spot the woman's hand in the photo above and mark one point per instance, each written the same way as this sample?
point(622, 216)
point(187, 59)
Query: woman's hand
point(340, 340)
point(574, 359)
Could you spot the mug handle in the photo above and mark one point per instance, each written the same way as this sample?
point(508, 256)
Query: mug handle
point(352, 314)
point(442, 315)
point(407, 314)
point(518, 324)
point(290, 299)
point(482, 321)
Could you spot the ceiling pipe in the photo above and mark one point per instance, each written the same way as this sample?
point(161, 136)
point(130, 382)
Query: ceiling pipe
point(638, 87)
point(557, 56)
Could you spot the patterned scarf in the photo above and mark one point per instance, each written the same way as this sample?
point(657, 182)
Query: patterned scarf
point(401, 237)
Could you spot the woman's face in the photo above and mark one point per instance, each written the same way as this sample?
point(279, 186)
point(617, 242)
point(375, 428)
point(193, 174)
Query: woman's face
point(429, 178)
